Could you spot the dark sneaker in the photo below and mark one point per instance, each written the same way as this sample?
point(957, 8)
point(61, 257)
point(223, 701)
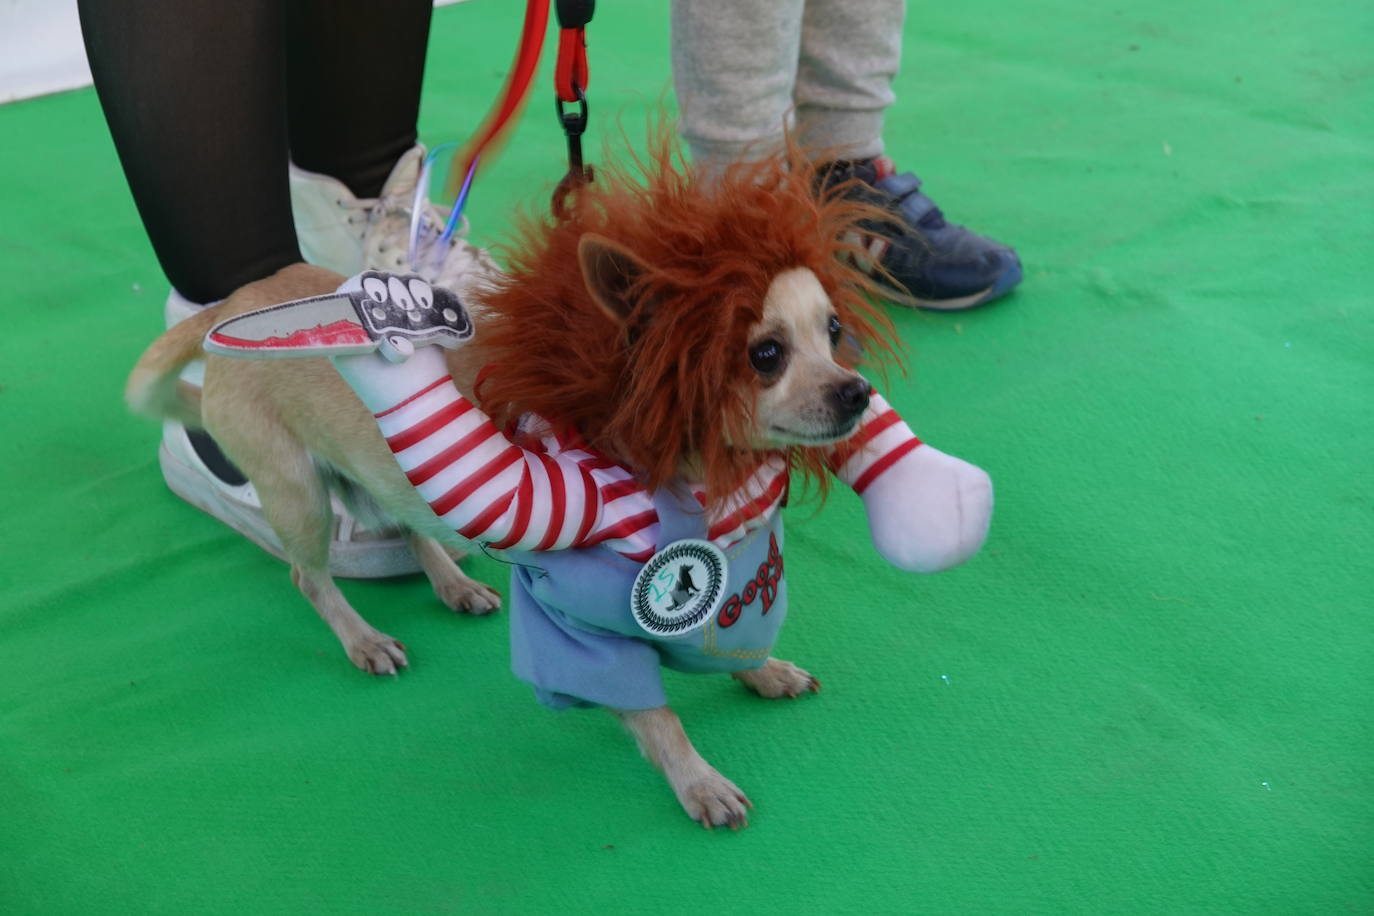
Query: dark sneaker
point(944, 267)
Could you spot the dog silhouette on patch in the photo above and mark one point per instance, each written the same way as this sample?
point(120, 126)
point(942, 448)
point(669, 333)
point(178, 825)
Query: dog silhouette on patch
point(685, 588)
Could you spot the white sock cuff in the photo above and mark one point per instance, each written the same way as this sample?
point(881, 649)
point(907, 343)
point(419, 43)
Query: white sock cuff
point(383, 385)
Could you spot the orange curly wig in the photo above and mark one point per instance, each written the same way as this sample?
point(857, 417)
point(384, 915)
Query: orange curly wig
point(681, 388)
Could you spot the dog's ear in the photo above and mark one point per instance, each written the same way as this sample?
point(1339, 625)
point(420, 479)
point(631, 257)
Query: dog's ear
point(609, 270)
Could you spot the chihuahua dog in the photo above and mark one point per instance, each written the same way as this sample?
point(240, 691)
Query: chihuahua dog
point(660, 362)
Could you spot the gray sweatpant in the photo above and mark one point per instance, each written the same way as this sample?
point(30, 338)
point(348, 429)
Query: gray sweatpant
point(742, 68)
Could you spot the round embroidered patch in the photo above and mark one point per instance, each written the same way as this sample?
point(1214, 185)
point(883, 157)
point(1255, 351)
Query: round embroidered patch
point(680, 588)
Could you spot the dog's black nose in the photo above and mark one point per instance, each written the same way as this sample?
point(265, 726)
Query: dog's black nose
point(850, 398)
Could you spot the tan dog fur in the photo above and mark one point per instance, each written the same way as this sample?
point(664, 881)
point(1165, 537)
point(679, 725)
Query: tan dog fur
point(276, 419)
point(281, 420)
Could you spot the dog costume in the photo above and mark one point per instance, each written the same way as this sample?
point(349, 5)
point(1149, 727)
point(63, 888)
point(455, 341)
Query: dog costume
point(625, 320)
point(578, 527)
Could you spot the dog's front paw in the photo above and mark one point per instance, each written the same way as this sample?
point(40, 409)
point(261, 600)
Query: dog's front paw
point(376, 653)
point(468, 596)
point(777, 679)
point(714, 801)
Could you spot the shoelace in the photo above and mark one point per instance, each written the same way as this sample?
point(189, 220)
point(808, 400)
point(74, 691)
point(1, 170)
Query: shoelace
point(432, 234)
point(428, 252)
point(349, 203)
point(428, 248)
point(431, 240)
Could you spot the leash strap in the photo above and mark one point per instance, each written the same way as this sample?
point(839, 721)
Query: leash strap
point(526, 61)
point(571, 75)
point(570, 82)
point(517, 88)
point(570, 79)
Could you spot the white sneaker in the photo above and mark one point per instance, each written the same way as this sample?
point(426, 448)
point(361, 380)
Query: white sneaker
point(349, 234)
point(199, 473)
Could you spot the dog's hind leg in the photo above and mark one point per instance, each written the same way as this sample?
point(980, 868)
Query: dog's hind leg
point(295, 499)
point(705, 795)
point(296, 502)
point(458, 590)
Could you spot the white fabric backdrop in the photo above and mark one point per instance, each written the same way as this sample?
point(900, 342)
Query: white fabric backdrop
point(41, 50)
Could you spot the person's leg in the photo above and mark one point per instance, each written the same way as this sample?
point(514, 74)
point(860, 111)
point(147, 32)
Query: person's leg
point(194, 94)
point(734, 68)
point(354, 71)
point(850, 52)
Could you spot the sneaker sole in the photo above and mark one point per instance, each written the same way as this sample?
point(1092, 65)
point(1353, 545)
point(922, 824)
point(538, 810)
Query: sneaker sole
point(1005, 283)
point(379, 559)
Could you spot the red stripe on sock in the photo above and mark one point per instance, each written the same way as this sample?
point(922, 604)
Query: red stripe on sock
point(423, 391)
point(524, 508)
point(452, 455)
point(474, 529)
point(613, 491)
point(867, 432)
point(428, 426)
point(627, 526)
point(588, 509)
point(446, 503)
point(752, 509)
point(883, 463)
point(558, 503)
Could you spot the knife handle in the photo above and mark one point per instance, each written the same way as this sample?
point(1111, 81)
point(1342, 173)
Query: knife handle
point(403, 311)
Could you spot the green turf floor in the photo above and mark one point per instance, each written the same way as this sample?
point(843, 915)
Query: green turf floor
point(1152, 692)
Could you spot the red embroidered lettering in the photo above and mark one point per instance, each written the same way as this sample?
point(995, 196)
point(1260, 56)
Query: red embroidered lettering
point(764, 585)
point(730, 612)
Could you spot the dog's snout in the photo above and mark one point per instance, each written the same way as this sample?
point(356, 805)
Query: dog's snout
point(850, 398)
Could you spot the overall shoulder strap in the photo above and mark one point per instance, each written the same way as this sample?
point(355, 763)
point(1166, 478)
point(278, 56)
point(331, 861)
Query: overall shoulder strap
point(679, 515)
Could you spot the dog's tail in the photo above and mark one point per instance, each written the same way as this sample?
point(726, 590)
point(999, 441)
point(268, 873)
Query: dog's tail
point(154, 388)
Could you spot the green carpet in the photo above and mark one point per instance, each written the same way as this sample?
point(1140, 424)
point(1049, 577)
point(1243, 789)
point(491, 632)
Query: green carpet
point(1151, 693)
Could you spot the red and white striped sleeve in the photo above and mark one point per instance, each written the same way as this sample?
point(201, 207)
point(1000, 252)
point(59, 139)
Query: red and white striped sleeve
point(881, 440)
point(492, 491)
point(750, 506)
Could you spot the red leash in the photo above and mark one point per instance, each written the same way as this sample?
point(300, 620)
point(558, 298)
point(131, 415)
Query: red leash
point(570, 78)
point(571, 75)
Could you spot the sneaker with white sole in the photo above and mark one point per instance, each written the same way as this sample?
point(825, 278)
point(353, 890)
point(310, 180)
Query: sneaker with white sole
point(350, 234)
point(196, 470)
point(940, 266)
point(337, 230)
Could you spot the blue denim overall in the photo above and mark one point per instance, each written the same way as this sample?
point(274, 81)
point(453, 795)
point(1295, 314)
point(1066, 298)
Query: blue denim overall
point(574, 638)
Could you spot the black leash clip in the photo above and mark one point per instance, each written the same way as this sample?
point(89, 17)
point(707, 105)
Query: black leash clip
point(574, 14)
point(574, 124)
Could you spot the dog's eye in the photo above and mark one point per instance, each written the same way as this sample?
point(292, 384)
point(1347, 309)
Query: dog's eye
point(766, 356)
point(835, 330)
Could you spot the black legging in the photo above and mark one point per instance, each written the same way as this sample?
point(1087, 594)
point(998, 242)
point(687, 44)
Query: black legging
point(207, 100)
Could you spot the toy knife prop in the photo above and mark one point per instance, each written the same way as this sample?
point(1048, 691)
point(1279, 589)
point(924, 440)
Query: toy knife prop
point(390, 313)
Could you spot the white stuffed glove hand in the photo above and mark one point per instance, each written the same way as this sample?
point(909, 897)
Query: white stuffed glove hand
point(927, 511)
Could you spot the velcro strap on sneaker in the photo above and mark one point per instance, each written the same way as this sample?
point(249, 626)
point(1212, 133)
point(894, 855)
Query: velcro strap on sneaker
point(900, 185)
point(915, 207)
